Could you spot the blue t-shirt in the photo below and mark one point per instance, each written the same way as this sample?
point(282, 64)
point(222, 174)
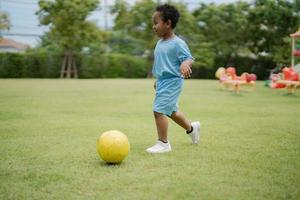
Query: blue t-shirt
point(168, 56)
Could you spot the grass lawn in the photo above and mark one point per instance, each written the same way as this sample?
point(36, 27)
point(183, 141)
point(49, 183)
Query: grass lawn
point(250, 144)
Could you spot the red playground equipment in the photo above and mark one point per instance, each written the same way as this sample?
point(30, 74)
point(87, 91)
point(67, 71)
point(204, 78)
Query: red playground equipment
point(289, 77)
point(229, 80)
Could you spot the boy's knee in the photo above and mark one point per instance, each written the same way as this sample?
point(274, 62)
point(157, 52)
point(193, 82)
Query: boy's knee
point(157, 114)
point(174, 114)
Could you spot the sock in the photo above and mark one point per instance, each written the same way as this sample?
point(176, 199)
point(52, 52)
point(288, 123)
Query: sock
point(188, 132)
point(163, 141)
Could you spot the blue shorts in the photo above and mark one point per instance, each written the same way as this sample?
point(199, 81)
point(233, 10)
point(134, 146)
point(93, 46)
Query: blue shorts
point(167, 95)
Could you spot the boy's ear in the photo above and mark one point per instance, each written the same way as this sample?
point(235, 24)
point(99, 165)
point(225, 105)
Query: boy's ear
point(169, 23)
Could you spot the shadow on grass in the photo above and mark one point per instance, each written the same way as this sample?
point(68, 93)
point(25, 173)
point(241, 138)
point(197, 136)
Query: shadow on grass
point(232, 91)
point(110, 165)
point(234, 94)
point(291, 95)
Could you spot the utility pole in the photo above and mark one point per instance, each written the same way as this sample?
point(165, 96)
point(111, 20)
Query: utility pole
point(105, 15)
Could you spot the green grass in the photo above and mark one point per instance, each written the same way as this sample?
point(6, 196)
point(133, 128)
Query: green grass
point(250, 145)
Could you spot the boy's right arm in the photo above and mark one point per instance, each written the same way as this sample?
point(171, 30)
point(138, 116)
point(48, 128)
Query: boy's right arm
point(186, 68)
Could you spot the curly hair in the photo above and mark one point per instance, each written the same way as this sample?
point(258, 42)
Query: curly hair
point(169, 12)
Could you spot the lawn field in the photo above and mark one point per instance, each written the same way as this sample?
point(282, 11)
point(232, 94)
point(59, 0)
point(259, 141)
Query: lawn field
point(250, 142)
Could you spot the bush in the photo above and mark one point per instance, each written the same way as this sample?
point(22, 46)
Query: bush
point(45, 65)
point(112, 66)
point(11, 65)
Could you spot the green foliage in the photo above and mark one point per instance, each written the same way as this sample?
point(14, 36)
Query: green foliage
point(136, 21)
point(224, 27)
point(119, 42)
point(282, 54)
point(200, 47)
point(252, 36)
point(42, 64)
point(256, 32)
point(67, 20)
point(112, 66)
point(271, 22)
point(4, 22)
point(123, 17)
point(29, 65)
point(12, 65)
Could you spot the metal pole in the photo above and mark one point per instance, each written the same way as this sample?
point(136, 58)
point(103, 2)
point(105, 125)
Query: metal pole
point(105, 15)
point(293, 49)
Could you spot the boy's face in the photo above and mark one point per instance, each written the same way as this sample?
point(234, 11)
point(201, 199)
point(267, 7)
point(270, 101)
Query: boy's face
point(161, 28)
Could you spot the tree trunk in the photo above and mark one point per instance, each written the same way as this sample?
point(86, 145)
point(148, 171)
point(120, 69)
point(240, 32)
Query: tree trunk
point(69, 68)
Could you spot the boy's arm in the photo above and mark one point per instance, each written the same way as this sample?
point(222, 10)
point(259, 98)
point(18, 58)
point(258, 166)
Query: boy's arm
point(186, 68)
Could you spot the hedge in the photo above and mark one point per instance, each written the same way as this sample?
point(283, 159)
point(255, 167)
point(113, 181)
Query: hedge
point(45, 65)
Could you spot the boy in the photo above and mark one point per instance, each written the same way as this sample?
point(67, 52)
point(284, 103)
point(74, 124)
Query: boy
point(172, 63)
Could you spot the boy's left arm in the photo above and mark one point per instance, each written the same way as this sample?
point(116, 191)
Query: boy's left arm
point(186, 68)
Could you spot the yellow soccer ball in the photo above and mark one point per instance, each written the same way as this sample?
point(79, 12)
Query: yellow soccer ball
point(113, 146)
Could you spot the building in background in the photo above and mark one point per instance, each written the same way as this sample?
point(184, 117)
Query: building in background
point(9, 45)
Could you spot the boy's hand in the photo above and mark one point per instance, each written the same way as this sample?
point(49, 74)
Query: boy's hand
point(185, 69)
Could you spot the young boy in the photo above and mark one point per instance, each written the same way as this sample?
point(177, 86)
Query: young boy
point(172, 63)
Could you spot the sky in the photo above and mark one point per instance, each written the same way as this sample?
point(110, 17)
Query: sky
point(25, 26)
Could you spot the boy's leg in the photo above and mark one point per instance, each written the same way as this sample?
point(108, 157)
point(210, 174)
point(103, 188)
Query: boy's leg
point(162, 145)
point(192, 128)
point(161, 122)
point(181, 120)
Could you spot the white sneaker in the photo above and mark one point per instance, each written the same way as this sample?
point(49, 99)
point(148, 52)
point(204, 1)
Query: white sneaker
point(195, 134)
point(159, 147)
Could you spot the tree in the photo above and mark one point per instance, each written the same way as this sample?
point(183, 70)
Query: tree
point(4, 22)
point(187, 28)
point(270, 23)
point(254, 34)
point(223, 28)
point(126, 44)
point(69, 28)
point(123, 16)
point(136, 21)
